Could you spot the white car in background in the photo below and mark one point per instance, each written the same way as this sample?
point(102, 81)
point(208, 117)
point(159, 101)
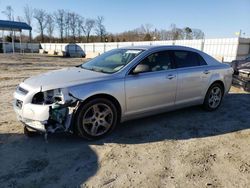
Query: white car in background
point(122, 84)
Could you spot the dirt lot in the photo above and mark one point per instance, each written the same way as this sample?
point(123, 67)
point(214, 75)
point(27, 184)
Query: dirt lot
point(185, 148)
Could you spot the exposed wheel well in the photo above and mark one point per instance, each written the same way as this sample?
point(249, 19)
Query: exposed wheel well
point(109, 97)
point(221, 83)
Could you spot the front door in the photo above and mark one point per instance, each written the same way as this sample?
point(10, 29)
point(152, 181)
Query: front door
point(154, 88)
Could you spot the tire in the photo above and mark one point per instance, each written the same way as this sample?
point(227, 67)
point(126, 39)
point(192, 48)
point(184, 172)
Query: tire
point(213, 97)
point(29, 133)
point(96, 118)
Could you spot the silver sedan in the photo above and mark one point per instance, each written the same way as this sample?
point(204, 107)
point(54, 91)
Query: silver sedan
point(119, 85)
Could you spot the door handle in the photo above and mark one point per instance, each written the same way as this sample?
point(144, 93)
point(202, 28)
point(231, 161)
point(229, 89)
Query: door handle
point(206, 71)
point(170, 76)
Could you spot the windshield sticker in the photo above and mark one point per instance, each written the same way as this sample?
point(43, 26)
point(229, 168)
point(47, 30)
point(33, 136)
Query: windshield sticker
point(133, 51)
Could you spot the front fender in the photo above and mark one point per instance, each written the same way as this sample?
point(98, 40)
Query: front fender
point(114, 88)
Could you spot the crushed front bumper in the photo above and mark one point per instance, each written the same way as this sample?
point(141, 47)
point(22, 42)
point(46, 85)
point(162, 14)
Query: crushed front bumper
point(35, 125)
point(33, 116)
point(45, 118)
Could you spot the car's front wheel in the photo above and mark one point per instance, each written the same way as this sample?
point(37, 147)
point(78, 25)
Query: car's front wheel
point(213, 97)
point(96, 118)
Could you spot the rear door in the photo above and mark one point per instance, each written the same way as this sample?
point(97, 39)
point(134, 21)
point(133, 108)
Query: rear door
point(193, 75)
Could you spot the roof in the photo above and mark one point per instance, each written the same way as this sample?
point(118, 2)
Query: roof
point(159, 47)
point(12, 25)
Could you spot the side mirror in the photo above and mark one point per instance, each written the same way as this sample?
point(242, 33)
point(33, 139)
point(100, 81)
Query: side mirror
point(141, 68)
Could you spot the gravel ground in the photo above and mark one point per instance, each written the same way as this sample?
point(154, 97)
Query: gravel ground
point(184, 148)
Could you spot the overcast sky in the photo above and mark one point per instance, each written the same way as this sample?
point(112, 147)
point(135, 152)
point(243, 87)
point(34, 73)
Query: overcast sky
point(217, 18)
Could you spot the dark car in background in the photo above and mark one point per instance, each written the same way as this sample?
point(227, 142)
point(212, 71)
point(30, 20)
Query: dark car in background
point(241, 77)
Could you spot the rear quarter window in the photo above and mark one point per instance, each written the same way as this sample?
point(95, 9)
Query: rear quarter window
point(201, 60)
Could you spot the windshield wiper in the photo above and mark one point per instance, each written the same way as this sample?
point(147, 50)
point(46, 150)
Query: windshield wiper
point(79, 66)
point(94, 69)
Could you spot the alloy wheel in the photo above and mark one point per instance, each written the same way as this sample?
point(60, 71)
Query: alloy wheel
point(215, 97)
point(97, 119)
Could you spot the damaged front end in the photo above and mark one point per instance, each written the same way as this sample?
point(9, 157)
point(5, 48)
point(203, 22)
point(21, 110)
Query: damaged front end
point(46, 111)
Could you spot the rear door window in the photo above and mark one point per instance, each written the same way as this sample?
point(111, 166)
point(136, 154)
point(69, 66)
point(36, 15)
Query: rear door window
point(188, 59)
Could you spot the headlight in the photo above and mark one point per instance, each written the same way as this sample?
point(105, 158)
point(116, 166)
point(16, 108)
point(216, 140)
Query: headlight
point(48, 97)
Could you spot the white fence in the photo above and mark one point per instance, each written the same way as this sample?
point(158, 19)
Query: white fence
point(23, 47)
point(226, 49)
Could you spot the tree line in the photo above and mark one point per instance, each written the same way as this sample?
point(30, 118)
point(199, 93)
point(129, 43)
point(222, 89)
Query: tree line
point(68, 26)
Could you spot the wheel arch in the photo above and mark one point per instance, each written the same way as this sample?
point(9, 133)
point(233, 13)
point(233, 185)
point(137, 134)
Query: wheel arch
point(205, 101)
point(105, 96)
point(218, 82)
point(219, 78)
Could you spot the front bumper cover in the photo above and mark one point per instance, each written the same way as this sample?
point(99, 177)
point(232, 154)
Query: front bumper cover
point(35, 125)
point(45, 118)
point(32, 116)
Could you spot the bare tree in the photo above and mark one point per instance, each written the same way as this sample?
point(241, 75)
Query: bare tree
point(144, 32)
point(100, 28)
point(50, 26)
point(59, 19)
point(28, 15)
point(188, 33)
point(146, 28)
point(66, 23)
point(198, 34)
point(80, 26)
point(40, 15)
point(73, 18)
point(175, 33)
point(9, 13)
point(89, 25)
point(147, 37)
point(19, 19)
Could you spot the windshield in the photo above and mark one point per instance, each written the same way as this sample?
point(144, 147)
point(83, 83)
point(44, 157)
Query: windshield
point(111, 61)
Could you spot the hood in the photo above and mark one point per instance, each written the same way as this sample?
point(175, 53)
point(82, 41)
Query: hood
point(63, 78)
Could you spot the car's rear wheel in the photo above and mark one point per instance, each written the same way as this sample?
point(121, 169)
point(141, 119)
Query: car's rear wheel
point(213, 97)
point(96, 118)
